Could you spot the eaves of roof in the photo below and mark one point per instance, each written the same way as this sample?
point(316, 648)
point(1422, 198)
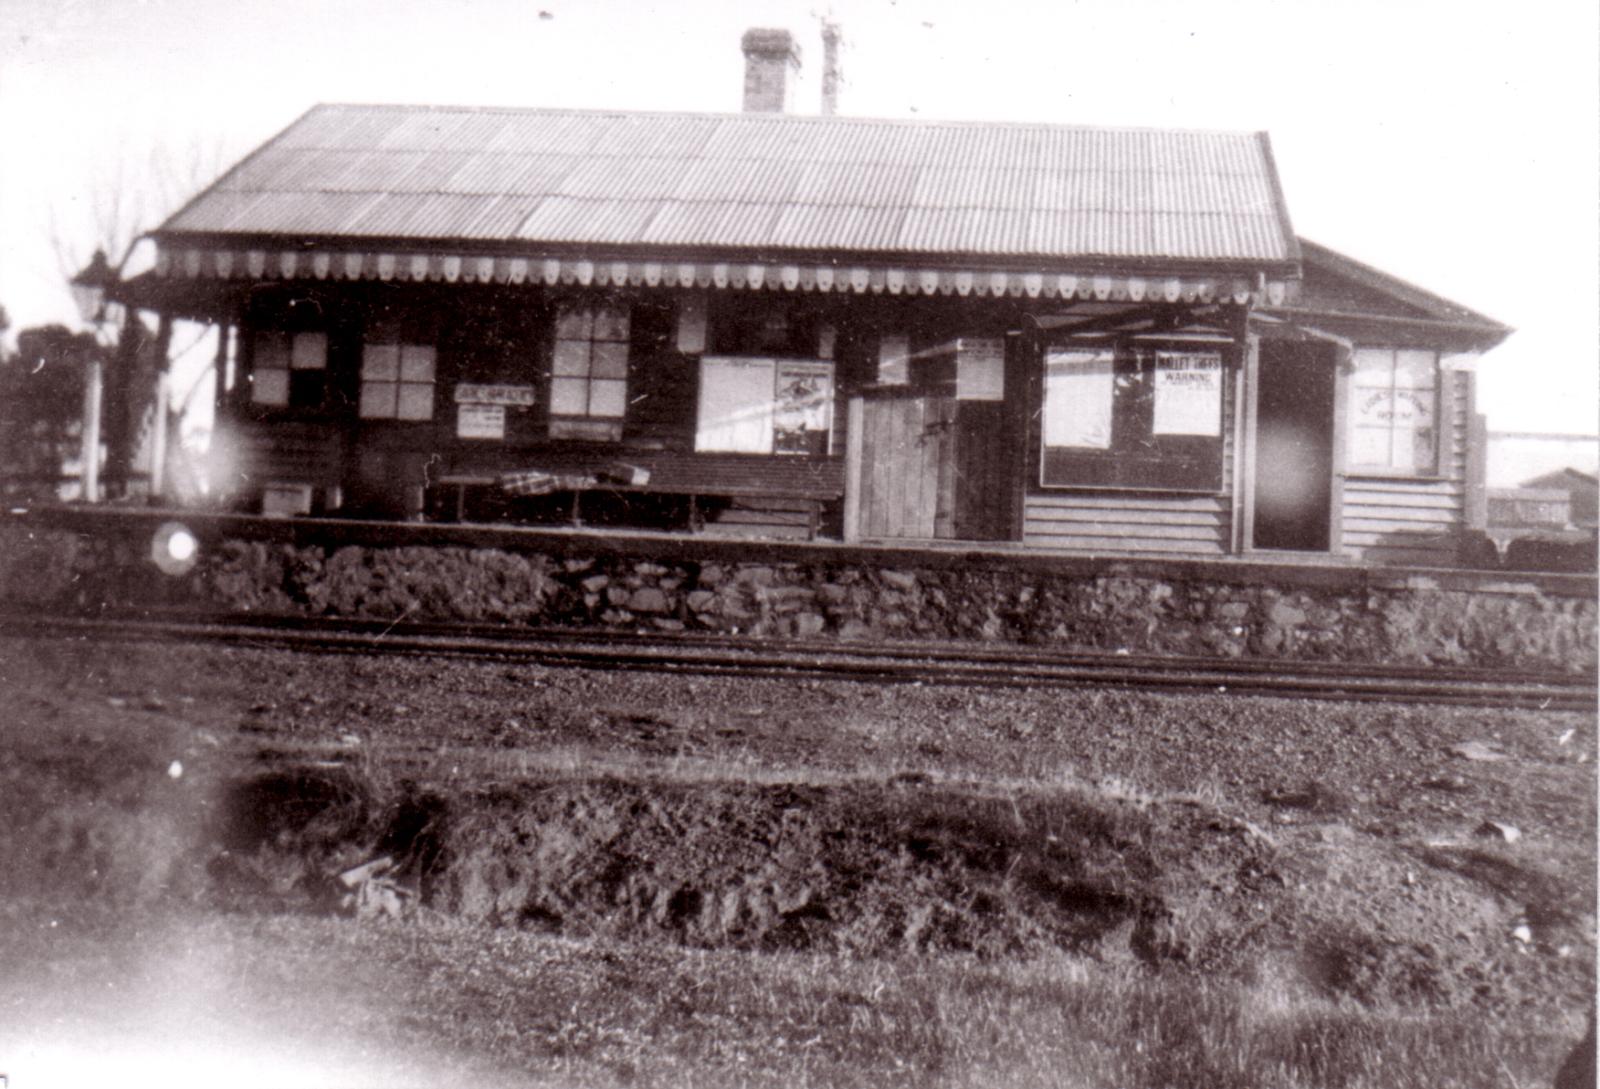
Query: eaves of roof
point(1437, 307)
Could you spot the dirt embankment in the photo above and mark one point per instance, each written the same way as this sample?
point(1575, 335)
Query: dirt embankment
point(903, 866)
point(865, 868)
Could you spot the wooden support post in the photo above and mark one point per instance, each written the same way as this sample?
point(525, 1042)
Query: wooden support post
point(852, 470)
point(1245, 476)
point(89, 473)
point(158, 436)
point(1477, 467)
point(1343, 365)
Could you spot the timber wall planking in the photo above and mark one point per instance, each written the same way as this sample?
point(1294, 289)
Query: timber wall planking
point(1125, 522)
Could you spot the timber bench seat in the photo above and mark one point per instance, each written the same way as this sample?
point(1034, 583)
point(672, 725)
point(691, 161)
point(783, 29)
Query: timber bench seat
point(727, 496)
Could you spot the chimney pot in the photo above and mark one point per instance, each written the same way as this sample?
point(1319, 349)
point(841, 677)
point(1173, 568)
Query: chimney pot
point(771, 69)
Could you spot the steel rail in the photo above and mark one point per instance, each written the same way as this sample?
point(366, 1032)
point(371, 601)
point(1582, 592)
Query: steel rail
point(944, 650)
point(964, 665)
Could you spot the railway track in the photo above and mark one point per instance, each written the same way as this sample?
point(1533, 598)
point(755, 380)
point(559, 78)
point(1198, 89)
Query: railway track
point(970, 665)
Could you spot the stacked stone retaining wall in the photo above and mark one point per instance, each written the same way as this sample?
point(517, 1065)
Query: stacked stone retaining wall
point(820, 593)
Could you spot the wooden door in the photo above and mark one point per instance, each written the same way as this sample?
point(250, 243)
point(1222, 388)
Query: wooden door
point(934, 468)
point(905, 444)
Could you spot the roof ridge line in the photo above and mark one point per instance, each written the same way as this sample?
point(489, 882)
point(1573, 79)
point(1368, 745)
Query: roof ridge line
point(824, 119)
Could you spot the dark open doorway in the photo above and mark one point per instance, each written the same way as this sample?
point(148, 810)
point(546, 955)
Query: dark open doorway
point(1294, 445)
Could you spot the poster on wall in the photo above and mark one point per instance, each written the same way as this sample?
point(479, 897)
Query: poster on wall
point(480, 421)
point(894, 359)
point(1188, 394)
point(802, 414)
point(735, 412)
point(980, 369)
point(1077, 397)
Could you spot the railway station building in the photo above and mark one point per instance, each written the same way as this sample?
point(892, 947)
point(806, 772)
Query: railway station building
point(767, 324)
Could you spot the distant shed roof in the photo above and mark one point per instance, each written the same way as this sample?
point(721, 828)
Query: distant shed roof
point(764, 182)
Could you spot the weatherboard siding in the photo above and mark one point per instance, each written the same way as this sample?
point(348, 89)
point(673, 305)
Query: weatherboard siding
point(1105, 522)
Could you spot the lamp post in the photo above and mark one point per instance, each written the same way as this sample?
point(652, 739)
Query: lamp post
point(89, 289)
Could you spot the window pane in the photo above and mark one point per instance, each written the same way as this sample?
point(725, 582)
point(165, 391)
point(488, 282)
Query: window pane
point(607, 398)
point(571, 358)
point(310, 352)
point(307, 389)
point(609, 360)
point(1077, 398)
point(1403, 450)
point(380, 362)
point(270, 387)
point(1374, 366)
point(1414, 407)
point(611, 323)
point(1373, 407)
point(416, 401)
point(377, 400)
point(272, 351)
point(1370, 446)
point(1424, 456)
point(574, 325)
point(569, 396)
point(1415, 370)
point(416, 363)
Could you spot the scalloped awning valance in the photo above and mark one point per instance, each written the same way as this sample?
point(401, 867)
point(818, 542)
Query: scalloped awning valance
point(352, 265)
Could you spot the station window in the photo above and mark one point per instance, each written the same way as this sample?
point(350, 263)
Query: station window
point(289, 370)
point(397, 381)
point(1394, 411)
point(1133, 416)
point(589, 373)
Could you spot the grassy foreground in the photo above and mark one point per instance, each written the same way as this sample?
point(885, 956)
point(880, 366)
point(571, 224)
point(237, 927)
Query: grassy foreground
point(330, 1001)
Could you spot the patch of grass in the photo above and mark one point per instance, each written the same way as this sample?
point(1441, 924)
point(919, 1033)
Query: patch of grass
point(595, 1015)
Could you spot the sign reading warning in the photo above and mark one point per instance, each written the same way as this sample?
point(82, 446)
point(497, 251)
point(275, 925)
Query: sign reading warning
point(1188, 394)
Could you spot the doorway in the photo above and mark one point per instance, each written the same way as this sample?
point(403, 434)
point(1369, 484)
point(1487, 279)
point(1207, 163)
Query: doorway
point(933, 467)
point(1294, 446)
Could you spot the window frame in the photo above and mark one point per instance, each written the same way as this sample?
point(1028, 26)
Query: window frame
point(1135, 457)
point(1390, 471)
point(399, 382)
point(295, 350)
point(585, 319)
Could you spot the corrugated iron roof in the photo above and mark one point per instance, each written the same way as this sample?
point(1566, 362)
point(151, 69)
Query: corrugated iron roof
point(755, 181)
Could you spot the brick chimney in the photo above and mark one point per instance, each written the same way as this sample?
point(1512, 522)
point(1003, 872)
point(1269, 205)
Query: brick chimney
point(771, 69)
point(832, 71)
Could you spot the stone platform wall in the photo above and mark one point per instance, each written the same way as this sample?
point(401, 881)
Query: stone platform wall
point(820, 593)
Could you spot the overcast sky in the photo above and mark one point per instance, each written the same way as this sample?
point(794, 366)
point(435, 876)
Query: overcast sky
point(1454, 144)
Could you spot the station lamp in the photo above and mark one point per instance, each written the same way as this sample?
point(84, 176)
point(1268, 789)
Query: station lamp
point(90, 286)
